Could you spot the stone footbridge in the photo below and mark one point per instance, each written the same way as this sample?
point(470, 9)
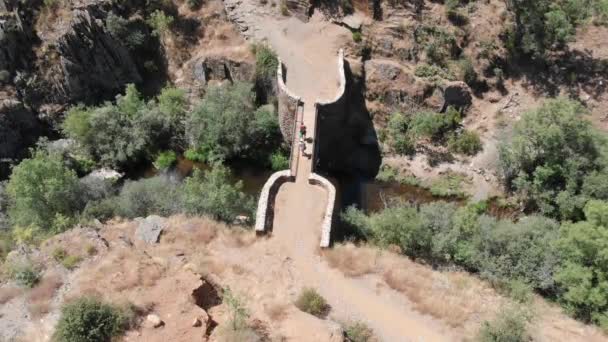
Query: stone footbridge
point(304, 198)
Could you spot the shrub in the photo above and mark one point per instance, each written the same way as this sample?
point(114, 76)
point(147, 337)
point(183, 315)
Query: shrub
point(467, 72)
point(357, 37)
point(59, 254)
point(238, 311)
point(524, 250)
point(428, 71)
point(211, 193)
point(157, 195)
point(120, 29)
point(509, 326)
point(40, 189)
point(71, 261)
point(266, 63)
point(310, 301)
point(165, 160)
point(26, 275)
point(89, 320)
point(160, 22)
point(359, 332)
point(279, 161)
point(467, 143)
point(552, 153)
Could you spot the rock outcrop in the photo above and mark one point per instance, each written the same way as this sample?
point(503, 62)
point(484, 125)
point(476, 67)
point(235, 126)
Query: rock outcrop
point(221, 69)
point(19, 129)
point(93, 63)
point(14, 41)
point(150, 228)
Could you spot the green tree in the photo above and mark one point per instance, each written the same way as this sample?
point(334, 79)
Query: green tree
point(554, 151)
point(211, 193)
point(583, 276)
point(41, 189)
point(542, 25)
point(129, 131)
point(160, 23)
point(226, 125)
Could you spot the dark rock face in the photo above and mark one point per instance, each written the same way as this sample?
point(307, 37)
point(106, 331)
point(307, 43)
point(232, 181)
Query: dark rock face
point(14, 41)
point(222, 69)
point(92, 62)
point(19, 129)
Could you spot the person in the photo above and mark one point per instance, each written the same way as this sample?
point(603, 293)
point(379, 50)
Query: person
point(302, 130)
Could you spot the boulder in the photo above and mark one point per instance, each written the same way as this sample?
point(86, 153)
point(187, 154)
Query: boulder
point(153, 321)
point(456, 94)
point(150, 228)
point(94, 65)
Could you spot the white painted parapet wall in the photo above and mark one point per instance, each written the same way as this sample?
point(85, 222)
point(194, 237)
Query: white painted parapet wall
point(267, 197)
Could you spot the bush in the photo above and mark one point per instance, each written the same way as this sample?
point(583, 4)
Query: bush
point(554, 151)
point(89, 320)
point(211, 193)
point(357, 37)
point(40, 189)
point(310, 301)
point(120, 29)
point(71, 261)
point(509, 326)
point(429, 71)
point(266, 64)
point(467, 72)
point(165, 160)
point(467, 143)
point(279, 161)
point(26, 275)
point(359, 332)
point(157, 195)
point(160, 22)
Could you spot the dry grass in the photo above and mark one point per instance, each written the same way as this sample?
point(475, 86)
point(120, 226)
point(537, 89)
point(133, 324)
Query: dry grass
point(351, 260)
point(277, 311)
point(40, 297)
point(8, 293)
point(454, 297)
point(191, 231)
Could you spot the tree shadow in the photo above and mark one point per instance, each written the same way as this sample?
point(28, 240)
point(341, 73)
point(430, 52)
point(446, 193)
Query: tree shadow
point(573, 69)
